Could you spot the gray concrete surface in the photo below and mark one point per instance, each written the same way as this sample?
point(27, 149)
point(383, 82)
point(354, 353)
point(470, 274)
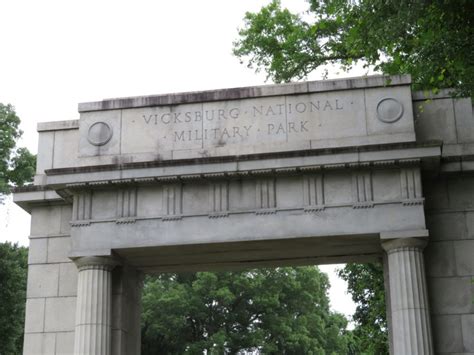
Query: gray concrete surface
point(296, 174)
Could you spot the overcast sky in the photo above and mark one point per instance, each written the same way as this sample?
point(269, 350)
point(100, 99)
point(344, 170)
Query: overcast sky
point(55, 54)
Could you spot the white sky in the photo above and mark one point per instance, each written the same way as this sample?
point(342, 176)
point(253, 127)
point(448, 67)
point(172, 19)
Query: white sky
point(55, 54)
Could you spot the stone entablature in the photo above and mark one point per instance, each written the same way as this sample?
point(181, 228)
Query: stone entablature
point(340, 171)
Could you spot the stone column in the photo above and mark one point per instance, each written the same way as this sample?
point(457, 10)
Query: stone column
point(94, 306)
point(410, 317)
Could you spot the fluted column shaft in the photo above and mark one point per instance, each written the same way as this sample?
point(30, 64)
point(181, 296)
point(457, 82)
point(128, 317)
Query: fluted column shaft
point(94, 306)
point(411, 326)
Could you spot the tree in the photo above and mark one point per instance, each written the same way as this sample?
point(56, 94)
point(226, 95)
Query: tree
point(278, 311)
point(431, 40)
point(13, 269)
point(17, 165)
point(365, 283)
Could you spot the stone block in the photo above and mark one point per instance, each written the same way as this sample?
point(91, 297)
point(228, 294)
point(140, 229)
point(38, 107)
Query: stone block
point(66, 216)
point(58, 249)
point(461, 192)
point(440, 261)
point(46, 220)
point(34, 315)
point(375, 99)
point(434, 120)
point(60, 314)
point(67, 279)
point(44, 159)
point(470, 225)
point(110, 123)
point(38, 251)
point(65, 148)
point(43, 280)
point(436, 194)
point(464, 255)
point(447, 333)
point(65, 343)
point(446, 226)
point(39, 344)
point(467, 323)
point(464, 121)
point(451, 295)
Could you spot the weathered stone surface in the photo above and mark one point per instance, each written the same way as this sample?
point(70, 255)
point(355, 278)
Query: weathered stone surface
point(65, 343)
point(447, 225)
point(296, 174)
point(34, 320)
point(440, 259)
point(43, 280)
point(59, 314)
point(67, 279)
point(464, 256)
point(38, 251)
point(46, 221)
point(447, 334)
point(39, 343)
point(467, 322)
point(451, 295)
point(58, 249)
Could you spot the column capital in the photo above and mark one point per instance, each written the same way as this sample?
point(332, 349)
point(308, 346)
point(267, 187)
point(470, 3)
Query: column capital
point(393, 245)
point(96, 262)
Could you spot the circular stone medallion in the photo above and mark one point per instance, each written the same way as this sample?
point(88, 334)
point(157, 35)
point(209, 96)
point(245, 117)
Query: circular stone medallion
point(99, 133)
point(389, 110)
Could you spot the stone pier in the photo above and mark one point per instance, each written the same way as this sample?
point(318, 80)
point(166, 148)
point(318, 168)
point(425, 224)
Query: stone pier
point(351, 170)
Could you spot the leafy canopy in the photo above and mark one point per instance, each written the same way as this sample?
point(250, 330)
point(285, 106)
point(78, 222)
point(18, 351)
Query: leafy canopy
point(431, 40)
point(17, 165)
point(13, 268)
point(365, 282)
point(278, 311)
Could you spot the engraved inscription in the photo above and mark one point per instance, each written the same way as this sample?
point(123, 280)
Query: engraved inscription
point(244, 121)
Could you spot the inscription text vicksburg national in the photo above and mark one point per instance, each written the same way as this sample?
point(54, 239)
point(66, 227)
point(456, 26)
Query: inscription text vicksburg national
point(251, 122)
point(234, 128)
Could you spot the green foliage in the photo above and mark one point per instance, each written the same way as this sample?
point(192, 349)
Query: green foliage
point(366, 285)
point(17, 166)
point(13, 269)
point(431, 40)
point(278, 311)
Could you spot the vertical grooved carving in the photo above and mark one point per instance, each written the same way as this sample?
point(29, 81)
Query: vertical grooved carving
point(172, 201)
point(126, 204)
point(94, 307)
point(313, 192)
point(410, 186)
point(408, 295)
point(82, 208)
point(266, 200)
point(218, 199)
point(362, 189)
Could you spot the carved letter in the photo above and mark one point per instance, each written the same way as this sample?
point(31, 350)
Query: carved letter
point(303, 128)
point(179, 137)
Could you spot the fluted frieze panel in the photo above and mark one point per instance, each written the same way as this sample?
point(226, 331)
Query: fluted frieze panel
point(313, 192)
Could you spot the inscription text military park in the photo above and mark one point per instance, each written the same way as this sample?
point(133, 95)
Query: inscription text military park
point(236, 114)
point(299, 174)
